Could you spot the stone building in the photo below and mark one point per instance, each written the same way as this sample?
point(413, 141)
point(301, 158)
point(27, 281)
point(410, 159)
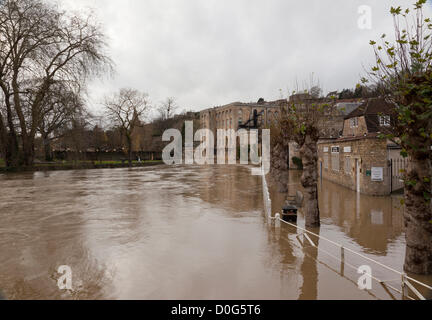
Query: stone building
point(360, 160)
point(240, 115)
point(331, 125)
point(237, 114)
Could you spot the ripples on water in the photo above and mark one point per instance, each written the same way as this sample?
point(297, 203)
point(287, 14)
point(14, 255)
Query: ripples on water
point(179, 233)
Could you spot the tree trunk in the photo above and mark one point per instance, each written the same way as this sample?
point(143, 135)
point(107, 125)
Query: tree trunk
point(279, 167)
point(418, 217)
point(3, 143)
point(47, 149)
point(13, 157)
point(28, 151)
point(12, 154)
point(309, 180)
point(129, 142)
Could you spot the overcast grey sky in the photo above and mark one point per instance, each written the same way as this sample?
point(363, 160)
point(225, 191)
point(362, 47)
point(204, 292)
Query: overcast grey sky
point(212, 52)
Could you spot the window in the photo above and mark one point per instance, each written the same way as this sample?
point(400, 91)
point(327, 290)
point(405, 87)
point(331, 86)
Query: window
point(348, 168)
point(335, 150)
point(335, 162)
point(354, 122)
point(385, 121)
point(335, 159)
point(326, 162)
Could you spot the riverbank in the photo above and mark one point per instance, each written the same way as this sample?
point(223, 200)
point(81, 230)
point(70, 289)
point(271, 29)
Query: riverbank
point(80, 165)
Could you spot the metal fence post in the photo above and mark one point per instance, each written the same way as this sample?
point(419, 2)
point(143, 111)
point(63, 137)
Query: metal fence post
point(342, 271)
point(391, 175)
point(277, 220)
point(343, 254)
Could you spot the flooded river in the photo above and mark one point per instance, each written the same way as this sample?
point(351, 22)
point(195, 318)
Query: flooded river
point(184, 233)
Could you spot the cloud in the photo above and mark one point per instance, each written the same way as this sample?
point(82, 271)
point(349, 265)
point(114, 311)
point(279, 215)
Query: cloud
point(213, 52)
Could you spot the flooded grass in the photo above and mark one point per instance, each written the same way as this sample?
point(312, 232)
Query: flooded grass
point(76, 165)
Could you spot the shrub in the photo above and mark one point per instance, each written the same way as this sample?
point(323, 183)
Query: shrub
point(298, 163)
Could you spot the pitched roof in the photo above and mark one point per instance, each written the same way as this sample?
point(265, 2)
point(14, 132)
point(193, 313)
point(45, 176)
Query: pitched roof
point(371, 110)
point(347, 107)
point(373, 106)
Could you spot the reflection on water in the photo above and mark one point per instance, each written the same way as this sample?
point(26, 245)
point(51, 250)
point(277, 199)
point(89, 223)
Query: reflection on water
point(374, 223)
point(180, 233)
point(372, 226)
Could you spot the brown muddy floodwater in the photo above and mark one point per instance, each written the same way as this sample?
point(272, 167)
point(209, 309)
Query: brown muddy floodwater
point(183, 233)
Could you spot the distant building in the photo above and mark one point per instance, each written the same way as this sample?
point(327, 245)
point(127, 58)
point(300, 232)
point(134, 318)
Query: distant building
point(236, 115)
point(360, 159)
point(333, 94)
point(300, 97)
point(372, 117)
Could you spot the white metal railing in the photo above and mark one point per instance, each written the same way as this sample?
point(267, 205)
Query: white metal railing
point(404, 278)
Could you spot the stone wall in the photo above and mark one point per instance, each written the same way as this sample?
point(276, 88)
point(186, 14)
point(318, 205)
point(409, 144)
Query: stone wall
point(359, 130)
point(365, 152)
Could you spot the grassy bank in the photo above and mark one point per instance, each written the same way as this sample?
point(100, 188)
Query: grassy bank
point(78, 165)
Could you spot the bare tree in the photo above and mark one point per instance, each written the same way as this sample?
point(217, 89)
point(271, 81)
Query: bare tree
point(404, 69)
point(3, 131)
point(167, 109)
point(124, 110)
point(59, 108)
point(39, 46)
